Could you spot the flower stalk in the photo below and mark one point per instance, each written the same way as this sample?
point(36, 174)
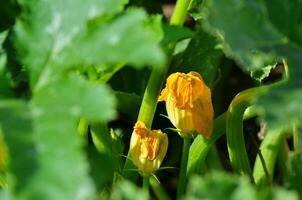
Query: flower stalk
point(183, 167)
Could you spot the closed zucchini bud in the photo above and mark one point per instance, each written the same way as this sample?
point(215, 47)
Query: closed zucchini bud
point(188, 104)
point(147, 148)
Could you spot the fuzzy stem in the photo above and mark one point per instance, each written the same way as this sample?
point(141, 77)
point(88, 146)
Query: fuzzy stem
point(183, 167)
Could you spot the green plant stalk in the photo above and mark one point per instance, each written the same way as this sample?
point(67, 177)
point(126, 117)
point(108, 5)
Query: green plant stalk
point(180, 12)
point(158, 74)
point(183, 167)
point(201, 146)
point(146, 183)
point(270, 149)
point(213, 160)
point(155, 83)
point(159, 192)
point(234, 130)
point(282, 160)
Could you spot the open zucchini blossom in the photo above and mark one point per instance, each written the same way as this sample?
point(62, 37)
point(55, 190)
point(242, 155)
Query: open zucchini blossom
point(188, 103)
point(148, 148)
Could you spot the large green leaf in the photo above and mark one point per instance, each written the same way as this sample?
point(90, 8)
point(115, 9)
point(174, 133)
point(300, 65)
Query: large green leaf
point(56, 35)
point(243, 39)
point(255, 35)
point(46, 158)
point(202, 55)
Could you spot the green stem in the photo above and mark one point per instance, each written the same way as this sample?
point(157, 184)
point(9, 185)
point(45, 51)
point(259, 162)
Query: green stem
point(296, 140)
point(180, 12)
point(146, 183)
point(269, 148)
point(156, 80)
point(183, 167)
point(234, 130)
point(201, 146)
point(159, 192)
point(282, 160)
point(158, 74)
point(148, 106)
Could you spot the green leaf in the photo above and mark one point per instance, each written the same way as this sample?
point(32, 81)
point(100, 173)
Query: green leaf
point(219, 185)
point(295, 175)
point(46, 158)
point(47, 27)
point(259, 42)
point(72, 34)
point(289, 23)
point(201, 55)
point(260, 74)
point(110, 42)
point(16, 124)
point(78, 98)
point(175, 34)
point(243, 39)
point(101, 167)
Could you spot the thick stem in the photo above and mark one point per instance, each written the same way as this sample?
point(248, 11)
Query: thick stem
point(183, 167)
point(180, 12)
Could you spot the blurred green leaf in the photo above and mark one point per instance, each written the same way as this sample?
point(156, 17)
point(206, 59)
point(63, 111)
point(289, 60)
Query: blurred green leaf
point(46, 159)
point(4, 79)
point(219, 185)
point(295, 175)
point(72, 34)
point(102, 167)
point(289, 22)
point(101, 138)
point(8, 11)
point(109, 42)
point(175, 34)
point(125, 190)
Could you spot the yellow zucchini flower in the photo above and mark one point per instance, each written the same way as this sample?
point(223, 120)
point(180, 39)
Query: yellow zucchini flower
point(148, 148)
point(188, 103)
